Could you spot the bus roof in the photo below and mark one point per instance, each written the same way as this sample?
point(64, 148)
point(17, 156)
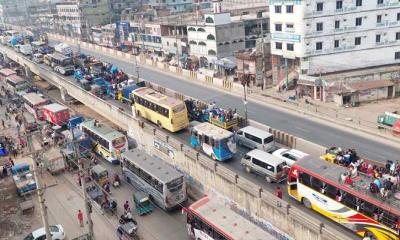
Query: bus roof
point(211, 130)
point(34, 98)
point(55, 107)
point(226, 221)
point(157, 97)
point(154, 166)
point(102, 129)
point(331, 173)
point(7, 72)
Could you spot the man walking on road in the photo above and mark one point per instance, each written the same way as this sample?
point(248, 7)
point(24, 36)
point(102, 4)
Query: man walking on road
point(278, 192)
point(80, 218)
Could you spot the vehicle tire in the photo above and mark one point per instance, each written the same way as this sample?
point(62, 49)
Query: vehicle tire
point(268, 179)
point(306, 203)
point(138, 113)
point(248, 169)
point(159, 124)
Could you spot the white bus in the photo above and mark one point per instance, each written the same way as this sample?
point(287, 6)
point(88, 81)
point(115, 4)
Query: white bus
point(33, 101)
point(164, 184)
point(16, 83)
point(109, 143)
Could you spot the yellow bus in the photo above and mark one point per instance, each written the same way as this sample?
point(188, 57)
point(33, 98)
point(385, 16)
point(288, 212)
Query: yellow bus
point(166, 112)
point(317, 185)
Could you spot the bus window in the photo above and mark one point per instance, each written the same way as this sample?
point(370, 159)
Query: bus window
point(389, 219)
point(349, 200)
point(369, 209)
point(306, 179)
point(206, 139)
point(316, 184)
point(118, 142)
point(331, 191)
point(213, 142)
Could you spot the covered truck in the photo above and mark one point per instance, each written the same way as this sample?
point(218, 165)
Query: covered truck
point(23, 176)
point(389, 118)
point(64, 49)
point(54, 160)
point(56, 114)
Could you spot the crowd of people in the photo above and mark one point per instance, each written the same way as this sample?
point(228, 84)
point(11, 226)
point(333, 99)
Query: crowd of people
point(385, 178)
point(219, 114)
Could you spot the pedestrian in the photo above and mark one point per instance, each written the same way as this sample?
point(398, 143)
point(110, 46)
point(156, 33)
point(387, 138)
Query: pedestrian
point(126, 206)
point(3, 123)
point(11, 162)
point(80, 218)
point(278, 192)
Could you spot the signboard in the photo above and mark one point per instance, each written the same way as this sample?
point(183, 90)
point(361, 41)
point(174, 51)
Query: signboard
point(285, 37)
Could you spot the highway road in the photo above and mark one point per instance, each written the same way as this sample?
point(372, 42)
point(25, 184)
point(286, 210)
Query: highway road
point(301, 126)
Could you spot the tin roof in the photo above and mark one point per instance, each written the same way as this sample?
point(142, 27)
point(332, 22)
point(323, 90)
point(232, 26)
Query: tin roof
point(365, 85)
point(7, 72)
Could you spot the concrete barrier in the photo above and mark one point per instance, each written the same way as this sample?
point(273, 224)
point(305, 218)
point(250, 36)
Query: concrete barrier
point(209, 80)
point(160, 65)
point(104, 49)
point(149, 62)
point(186, 73)
point(203, 174)
point(119, 53)
point(172, 69)
point(227, 85)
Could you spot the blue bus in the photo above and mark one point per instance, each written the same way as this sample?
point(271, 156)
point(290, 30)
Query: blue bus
point(214, 141)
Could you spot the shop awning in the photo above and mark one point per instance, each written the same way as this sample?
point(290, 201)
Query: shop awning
point(366, 85)
point(226, 62)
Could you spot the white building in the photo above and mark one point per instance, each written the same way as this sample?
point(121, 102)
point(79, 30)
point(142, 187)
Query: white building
point(15, 12)
point(76, 18)
point(217, 37)
point(320, 37)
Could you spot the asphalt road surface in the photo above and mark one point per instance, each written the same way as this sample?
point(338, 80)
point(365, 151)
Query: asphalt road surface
point(299, 126)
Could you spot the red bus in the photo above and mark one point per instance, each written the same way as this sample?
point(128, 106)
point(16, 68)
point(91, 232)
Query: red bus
point(354, 203)
point(32, 102)
point(208, 219)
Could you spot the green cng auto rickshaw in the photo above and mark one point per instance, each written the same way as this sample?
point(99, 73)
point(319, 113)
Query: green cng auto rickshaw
point(142, 203)
point(100, 174)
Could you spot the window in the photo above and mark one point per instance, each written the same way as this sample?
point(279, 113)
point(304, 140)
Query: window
point(305, 179)
point(278, 27)
point(263, 165)
point(278, 45)
point(336, 43)
point(397, 55)
point(209, 20)
point(278, 9)
point(378, 18)
point(253, 138)
point(290, 47)
point(398, 16)
point(320, 26)
point(201, 30)
point(337, 24)
point(398, 36)
point(210, 37)
point(289, 8)
point(357, 41)
point(339, 5)
point(378, 38)
point(289, 26)
point(318, 46)
point(212, 52)
point(358, 3)
point(379, 2)
point(320, 7)
point(358, 21)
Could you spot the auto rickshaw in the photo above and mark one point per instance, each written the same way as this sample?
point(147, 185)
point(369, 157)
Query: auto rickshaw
point(142, 203)
point(100, 174)
point(331, 154)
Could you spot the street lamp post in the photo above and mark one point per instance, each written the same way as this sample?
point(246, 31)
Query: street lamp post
point(245, 82)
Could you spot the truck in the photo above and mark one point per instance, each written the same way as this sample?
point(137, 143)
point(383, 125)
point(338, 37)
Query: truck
point(85, 146)
point(23, 176)
point(64, 49)
point(54, 160)
point(56, 114)
point(389, 118)
point(26, 49)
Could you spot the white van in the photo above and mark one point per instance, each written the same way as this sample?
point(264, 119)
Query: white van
point(255, 138)
point(272, 168)
point(38, 58)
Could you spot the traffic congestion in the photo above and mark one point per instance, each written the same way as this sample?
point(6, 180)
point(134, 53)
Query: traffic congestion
point(357, 193)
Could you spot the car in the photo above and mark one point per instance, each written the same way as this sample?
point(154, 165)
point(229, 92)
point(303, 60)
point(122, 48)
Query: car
point(289, 155)
point(56, 231)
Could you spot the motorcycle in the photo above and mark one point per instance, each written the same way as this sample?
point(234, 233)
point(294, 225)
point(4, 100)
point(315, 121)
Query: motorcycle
point(117, 181)
point(127, 217)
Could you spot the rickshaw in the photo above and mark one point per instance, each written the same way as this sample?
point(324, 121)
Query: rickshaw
point(142, 203)
point(331, 154)
point(100, 174)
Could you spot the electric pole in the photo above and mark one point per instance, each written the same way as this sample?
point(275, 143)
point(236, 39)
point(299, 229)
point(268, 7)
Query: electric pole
point(263, 56)
point(40, 190)
point(81, 174)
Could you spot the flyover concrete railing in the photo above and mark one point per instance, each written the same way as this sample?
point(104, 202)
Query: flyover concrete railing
point(203, 174)
point(323, 112)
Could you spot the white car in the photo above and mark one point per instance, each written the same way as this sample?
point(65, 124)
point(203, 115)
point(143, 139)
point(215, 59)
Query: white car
point(57, 233)
point(289, 155)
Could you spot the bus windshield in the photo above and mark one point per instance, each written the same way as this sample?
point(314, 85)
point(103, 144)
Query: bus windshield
point(175, 185)
point(118, 142)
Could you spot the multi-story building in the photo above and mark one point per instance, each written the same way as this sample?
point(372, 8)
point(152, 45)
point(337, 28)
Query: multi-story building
point(118, 6)
point(173, 6)
point(216, 37)
point(316, 37)
point(240, 4)
point(75, 18)
point(16, 12)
